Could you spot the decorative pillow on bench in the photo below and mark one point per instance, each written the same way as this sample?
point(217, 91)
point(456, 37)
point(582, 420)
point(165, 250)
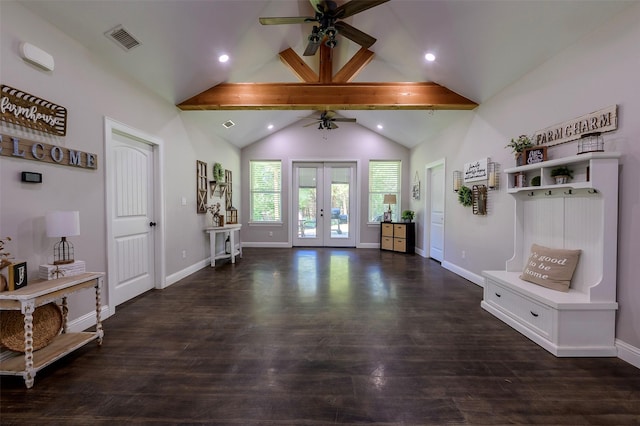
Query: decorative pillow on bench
point(552, 268)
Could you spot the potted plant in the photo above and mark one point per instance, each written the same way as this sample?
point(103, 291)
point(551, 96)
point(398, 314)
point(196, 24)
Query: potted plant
point(562, 174)
point(518, 145)
point(408, 215)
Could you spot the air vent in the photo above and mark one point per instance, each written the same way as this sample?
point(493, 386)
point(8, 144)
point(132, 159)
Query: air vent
point(228, 124)
point(122, 37)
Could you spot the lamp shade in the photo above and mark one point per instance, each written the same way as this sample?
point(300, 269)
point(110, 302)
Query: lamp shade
point(389, 199)
point(62, 223)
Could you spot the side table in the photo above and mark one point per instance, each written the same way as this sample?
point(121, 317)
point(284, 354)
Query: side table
point(27, 299)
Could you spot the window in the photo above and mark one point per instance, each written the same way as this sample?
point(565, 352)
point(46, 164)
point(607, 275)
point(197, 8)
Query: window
point(384, 178)
point(266, 191)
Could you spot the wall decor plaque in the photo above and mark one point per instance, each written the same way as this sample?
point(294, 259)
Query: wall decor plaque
point(23, 109)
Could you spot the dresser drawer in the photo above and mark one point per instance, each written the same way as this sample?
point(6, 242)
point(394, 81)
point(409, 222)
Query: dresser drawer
point(525, 310)
point(386, 243)
point(399, 244)
point(400, 231)
point(387, 230)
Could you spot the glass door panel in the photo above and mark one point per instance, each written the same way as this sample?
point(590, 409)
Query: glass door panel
point(324, 204)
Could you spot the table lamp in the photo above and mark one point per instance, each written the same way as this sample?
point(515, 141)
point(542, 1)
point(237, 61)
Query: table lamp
point(389, 199)
point(62, 224)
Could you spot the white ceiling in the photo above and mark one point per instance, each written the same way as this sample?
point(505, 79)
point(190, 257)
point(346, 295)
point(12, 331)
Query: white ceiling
point(482, 46)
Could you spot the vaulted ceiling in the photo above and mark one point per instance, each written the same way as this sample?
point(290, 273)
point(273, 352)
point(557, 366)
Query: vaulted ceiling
point(481, 47)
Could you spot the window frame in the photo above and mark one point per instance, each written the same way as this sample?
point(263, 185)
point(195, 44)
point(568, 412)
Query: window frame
point(253, 192)
point(381, 193)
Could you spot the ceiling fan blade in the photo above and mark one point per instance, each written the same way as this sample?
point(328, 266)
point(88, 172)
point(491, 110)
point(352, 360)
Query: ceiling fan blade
point(355, 35)
point(356, 6)
point(332, 125)
point(323, 6)
point(312, 48)
point(286, 20)
point(312, 124)
point(328, 114)
point(345, 120)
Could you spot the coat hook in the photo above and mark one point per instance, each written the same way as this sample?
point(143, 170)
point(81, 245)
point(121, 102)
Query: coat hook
point(548, 192)
point(593, 191)
point(531, 194)
point(568, 192)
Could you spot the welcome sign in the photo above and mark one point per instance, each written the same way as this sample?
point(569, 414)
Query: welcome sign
point(25, 110)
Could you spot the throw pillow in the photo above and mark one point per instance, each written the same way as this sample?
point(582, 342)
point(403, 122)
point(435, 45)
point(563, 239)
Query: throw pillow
point(551, 268)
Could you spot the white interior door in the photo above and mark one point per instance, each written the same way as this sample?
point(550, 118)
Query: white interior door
point(324, 204)
point(436, 212)
point(132, 218)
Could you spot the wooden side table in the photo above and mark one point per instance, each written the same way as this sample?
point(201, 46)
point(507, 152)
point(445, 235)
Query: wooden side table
point(229, 230)
point(27, 299)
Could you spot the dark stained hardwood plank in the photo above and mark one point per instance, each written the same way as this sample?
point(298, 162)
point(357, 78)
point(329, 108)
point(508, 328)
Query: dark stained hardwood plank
point(309, 336)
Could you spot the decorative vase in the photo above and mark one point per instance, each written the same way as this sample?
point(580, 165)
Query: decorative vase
point(519, 159)
point(560, 180)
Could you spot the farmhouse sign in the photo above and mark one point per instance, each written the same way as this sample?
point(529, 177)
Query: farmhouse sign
point(600, 121)
point(476, 170)
point(22, 109)
point(11, 146)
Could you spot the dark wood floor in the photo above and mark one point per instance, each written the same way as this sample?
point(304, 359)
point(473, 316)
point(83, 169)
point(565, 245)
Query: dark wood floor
point(320, 336)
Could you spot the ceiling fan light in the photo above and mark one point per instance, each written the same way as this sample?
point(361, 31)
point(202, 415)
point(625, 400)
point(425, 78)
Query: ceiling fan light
point(332, 42)
point(331, 32)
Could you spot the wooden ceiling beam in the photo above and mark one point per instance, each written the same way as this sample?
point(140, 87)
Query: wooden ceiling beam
point(337, 96)
point(298, 66)
point(352, 68)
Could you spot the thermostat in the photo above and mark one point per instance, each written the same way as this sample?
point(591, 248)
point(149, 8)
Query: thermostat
point(32, 177)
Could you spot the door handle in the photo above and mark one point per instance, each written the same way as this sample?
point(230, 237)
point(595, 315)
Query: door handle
point(152, 224)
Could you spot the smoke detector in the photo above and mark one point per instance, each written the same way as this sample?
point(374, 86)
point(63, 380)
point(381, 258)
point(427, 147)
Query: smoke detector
point(227, 124)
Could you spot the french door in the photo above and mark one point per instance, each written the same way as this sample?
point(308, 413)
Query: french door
point(324, 201)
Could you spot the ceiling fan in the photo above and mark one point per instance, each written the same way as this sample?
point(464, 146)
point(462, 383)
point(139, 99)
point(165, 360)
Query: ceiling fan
point(327, 120)
point(328, 18)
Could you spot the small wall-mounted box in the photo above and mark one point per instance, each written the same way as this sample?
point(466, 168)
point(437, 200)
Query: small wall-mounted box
point(31, 177)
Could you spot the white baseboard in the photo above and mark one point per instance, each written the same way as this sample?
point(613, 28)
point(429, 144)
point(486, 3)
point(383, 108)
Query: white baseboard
point(628, 353)
point(88, 320)
point(184, 273)
point(474, 278)
point(266, 245)
point(368, 245)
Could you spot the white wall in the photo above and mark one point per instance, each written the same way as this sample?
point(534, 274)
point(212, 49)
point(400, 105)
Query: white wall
point(90, 90)
point(350, 142)
point(601, 70)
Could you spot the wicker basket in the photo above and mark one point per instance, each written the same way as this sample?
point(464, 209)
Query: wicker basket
point(47, 324)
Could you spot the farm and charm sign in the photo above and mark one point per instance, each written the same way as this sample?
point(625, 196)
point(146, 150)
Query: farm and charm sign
point(476, 170)
point(22, 109)
point(11, 146)
point(600, 121)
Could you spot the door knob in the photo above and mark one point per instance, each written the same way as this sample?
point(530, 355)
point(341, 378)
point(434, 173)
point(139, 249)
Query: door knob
point(152, 224)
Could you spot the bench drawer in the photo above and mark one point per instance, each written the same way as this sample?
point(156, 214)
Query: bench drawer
point(521, 308)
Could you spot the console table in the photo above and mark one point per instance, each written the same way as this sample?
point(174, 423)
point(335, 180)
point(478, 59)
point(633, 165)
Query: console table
point(26, 300)
point(236, 244)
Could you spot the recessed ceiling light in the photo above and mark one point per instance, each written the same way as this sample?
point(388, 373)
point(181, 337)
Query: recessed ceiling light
point(380, 126)
point(223, 58)
point(270, 126)
point(430, 57)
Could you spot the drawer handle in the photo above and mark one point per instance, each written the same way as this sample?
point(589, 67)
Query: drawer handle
point(534, 314)
point(498, 294)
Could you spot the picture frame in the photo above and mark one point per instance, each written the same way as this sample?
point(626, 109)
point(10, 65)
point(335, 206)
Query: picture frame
point(387, 217)
point(17, 276)
point(536, 154)
point(415, 190)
